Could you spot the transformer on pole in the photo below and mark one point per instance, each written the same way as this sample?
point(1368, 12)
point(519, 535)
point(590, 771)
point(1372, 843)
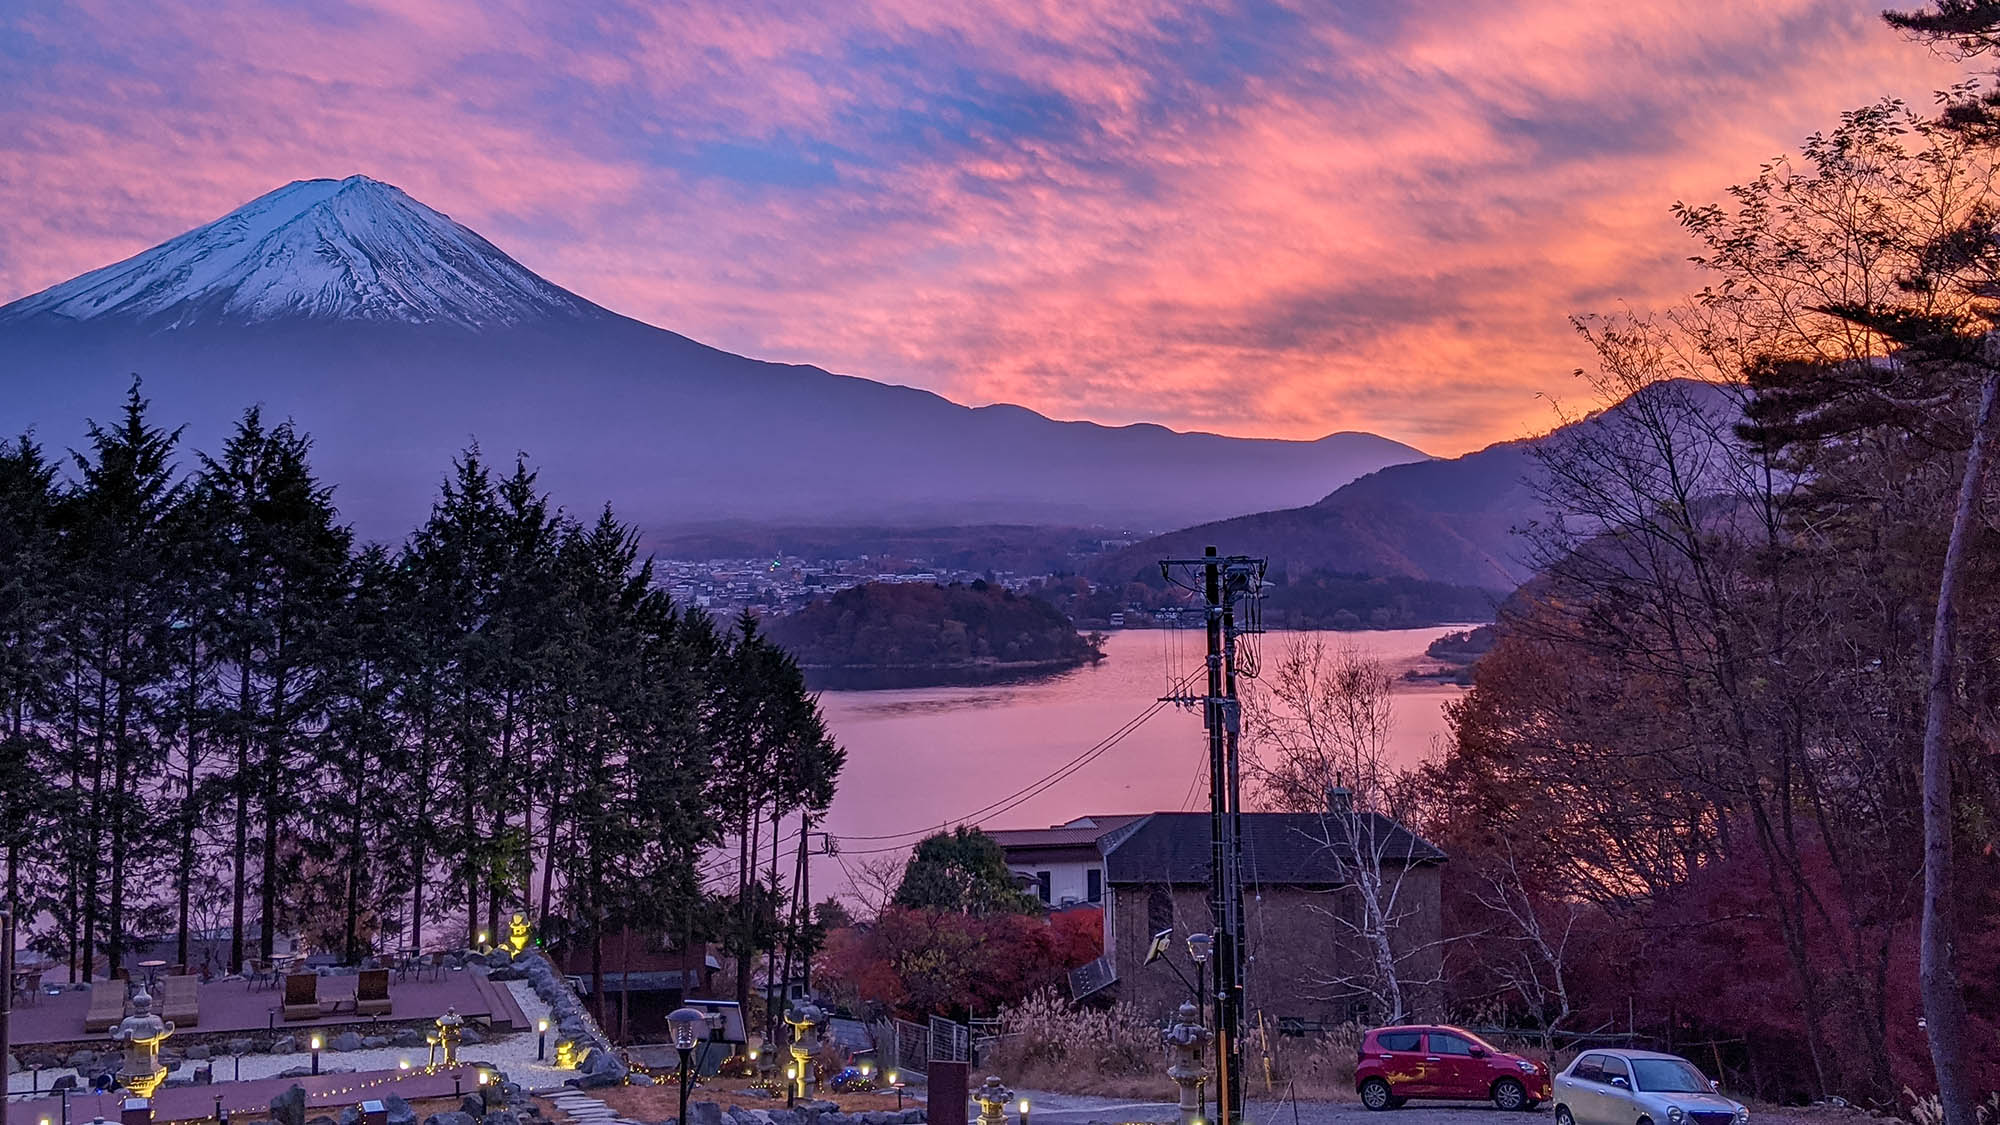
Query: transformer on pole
point(1224, 581)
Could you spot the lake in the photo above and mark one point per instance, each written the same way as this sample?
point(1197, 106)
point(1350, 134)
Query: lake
point(923, 758)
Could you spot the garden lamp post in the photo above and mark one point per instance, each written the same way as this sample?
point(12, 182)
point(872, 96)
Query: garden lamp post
point(1024, 1111)
point(898, 1084)
point(314, 1043)
point(541, 1040)
point(686, 1024)
point(1199, 948)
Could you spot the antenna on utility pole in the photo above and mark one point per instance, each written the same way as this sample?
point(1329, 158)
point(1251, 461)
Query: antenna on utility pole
point(1223, 582)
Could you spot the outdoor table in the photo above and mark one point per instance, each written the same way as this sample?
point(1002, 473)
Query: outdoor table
point(27, 984)
point(152, 971)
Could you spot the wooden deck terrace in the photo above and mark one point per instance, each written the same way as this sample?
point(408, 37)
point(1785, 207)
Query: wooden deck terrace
point(234, 1008)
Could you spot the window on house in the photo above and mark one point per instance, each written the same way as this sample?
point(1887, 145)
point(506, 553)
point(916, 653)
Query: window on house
point(1042, 886)
point(1159, 909)
point(1093, 885)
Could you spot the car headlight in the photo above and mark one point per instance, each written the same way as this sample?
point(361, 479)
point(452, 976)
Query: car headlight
point(1676, 1115)
point(1526, 1066)
point(1742, 1114)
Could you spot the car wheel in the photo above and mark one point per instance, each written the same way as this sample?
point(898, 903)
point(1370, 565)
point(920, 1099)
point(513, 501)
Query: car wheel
point(1375, 1094)
point(1564, 1116)
point(1509, 1094)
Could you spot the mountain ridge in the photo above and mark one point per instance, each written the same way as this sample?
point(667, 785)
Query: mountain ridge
point(1452, 519)
point(395, 336)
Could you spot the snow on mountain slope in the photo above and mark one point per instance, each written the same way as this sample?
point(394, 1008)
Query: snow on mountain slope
point(352, 249)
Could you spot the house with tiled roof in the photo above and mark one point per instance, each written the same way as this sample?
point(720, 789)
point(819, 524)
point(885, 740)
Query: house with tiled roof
point(1306, 963)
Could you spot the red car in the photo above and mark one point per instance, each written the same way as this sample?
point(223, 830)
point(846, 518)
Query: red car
point(1422, 1061)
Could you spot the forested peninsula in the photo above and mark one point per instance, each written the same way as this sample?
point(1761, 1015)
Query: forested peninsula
point(895, 635)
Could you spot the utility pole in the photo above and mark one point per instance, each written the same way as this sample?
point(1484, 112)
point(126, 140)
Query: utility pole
point(6, 1000)
point(1224, 580)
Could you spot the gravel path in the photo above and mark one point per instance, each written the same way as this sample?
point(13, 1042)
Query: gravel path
point(1071, 1109)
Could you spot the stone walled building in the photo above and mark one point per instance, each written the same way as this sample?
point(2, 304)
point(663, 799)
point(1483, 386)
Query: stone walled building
point(1306, 967)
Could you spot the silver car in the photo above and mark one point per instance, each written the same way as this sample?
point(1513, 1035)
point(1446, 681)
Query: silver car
point(1640, 1088)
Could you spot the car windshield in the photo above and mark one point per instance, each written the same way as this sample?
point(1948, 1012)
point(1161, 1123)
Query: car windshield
point(1669, 1076)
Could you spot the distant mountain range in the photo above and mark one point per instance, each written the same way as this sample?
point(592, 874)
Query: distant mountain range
point(395, 336)
point(1450, 520)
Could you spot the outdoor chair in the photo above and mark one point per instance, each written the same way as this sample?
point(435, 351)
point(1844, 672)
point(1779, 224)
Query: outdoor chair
point(179, 1000)
point(302, 996)
point(107, 1005)
point(371, 993)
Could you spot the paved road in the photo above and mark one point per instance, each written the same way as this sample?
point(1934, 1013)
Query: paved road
point(1070, 1109)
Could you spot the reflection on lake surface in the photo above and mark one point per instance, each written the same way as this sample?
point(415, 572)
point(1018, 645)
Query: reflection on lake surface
point(925, 757)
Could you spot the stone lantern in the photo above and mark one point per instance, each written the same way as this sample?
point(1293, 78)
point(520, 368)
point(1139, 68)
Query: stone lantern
point(802, 1019)
point(517, 934)
point(992, 1098)
point(1188, 1040)
point(141, 1034)
point(445, 1038)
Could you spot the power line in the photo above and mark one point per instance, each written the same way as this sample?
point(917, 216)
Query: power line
point(1041, 785)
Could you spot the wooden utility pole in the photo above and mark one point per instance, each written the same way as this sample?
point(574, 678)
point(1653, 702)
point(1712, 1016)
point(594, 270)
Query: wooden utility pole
point(6, 1000)
point(1223, 581)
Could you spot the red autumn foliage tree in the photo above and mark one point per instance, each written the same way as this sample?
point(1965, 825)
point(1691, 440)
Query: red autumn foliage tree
point(916, 963)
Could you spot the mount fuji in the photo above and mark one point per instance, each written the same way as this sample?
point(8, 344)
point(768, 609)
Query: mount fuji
point(396, 336)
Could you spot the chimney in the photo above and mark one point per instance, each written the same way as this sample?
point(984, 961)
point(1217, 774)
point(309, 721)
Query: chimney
point(1339, 800)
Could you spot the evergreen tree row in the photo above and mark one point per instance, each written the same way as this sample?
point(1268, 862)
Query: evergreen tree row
point(219, 713)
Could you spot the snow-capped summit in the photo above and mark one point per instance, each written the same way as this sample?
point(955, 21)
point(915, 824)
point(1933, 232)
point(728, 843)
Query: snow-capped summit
point(352, 249)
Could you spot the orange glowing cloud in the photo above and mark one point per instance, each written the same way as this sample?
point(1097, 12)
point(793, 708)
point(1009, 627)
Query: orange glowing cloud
point(1256, 217)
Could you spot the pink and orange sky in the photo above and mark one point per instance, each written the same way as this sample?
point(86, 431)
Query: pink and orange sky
point(1266, 217)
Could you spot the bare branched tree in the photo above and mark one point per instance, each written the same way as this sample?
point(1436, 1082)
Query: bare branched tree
point(1317, 726)
point(1528, 953)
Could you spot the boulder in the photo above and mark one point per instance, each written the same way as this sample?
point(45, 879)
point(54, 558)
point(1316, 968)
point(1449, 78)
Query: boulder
point(472, 1105)
point(399, 1111)
point(321, 1119)
point(296, 1072)
point(66, 1082)
point(499, 959)
point(454, 1118)
point(289, 1108)
point(408, 1037)
point(783, 1117)
point(470, 1037)
point(241, 1046)
point(285, 1045)
point(595, 1081)
point(13, 1065)
point(197, 1051)
point(374, 1042)
point(82, 1060)
point(704, 1113)
point(346, 1041)
point(501, 1117)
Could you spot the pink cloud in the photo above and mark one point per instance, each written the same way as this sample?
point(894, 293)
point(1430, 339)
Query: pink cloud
point(1225, 216)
